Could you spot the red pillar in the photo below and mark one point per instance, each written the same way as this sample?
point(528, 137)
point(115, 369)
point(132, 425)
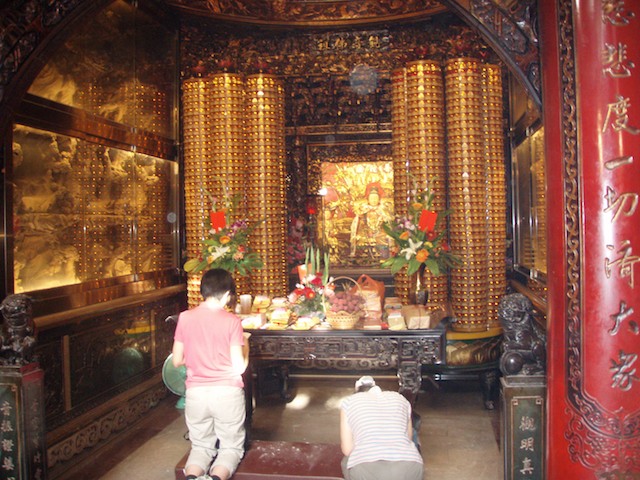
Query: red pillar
point(592, 128)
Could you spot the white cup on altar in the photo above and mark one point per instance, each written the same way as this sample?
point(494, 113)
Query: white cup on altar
point(245, 304)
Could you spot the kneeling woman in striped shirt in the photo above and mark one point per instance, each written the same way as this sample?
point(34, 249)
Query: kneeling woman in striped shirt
point(376, 435)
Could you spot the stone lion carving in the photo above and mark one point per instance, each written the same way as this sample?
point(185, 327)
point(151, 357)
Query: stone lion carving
point(524, 343)
point(17, 344)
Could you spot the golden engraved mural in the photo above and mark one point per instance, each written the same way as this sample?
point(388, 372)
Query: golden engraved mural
point(96, 70)
point(85, 212)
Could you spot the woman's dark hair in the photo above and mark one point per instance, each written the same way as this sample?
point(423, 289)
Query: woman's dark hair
point(216, 282)
point(364, 388)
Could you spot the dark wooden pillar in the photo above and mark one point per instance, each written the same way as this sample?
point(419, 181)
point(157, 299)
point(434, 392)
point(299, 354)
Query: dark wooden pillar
point(591, 71)
point(22, 429)
point(523, 429)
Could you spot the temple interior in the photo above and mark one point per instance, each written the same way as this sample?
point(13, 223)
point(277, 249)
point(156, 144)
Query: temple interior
point(390, 189)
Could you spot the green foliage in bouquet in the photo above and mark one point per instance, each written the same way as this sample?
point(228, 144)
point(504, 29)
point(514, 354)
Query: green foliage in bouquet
point(420, 238)
point(227, 245)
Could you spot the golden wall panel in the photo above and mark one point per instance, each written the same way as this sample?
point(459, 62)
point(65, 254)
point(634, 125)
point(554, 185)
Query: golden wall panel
point(538, 177)
point(118, 65)
point(87, 212)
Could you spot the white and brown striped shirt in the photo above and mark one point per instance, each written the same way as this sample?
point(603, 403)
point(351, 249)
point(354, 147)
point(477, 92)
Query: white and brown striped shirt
point(379, 422)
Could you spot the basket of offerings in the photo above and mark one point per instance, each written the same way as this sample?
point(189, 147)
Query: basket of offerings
point(344, 304)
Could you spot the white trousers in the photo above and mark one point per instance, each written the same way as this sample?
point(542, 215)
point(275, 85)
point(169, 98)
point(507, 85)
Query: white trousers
point(215, 414)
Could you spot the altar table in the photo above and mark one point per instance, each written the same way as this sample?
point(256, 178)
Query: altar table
point(403, 350)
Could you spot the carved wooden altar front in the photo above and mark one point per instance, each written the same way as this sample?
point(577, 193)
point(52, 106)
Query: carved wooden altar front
point(354, 350)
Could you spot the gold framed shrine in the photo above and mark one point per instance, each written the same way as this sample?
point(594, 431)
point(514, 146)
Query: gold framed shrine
point(352, 179)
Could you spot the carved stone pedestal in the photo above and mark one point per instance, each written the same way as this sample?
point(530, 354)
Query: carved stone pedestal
point(523, 426)
point(22, 430)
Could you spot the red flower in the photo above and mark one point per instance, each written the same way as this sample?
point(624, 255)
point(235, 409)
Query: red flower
point(218, 220)
point(427, 220)
point(225, 63)
point(421, 51)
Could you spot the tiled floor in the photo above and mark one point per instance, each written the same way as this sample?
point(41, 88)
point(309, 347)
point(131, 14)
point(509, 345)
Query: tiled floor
point(460, 439)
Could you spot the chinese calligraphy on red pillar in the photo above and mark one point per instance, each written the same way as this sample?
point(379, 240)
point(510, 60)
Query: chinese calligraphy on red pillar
point(604, 375)
point(620, 194)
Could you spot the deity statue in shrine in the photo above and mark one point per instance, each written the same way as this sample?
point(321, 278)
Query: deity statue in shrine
point(366, 227)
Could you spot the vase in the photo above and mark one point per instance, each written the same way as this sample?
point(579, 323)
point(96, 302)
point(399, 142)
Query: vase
point(403, 285)
point(419, 293)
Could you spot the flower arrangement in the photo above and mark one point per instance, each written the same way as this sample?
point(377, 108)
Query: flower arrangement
point(307, 298)
point(227, 245)
point(418, 238)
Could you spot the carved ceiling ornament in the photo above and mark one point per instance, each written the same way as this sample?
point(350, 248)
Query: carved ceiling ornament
point(512, 27)
point(303, 12)
point(23, 26)
point(26, 25)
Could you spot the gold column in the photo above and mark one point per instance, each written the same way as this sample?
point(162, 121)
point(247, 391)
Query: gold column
point(214, 155)
point(427, 154)
point(496, 190)
point(197, 149)
point(227, 111)
point(266, 187)
point(467, 193)
point(419, 147)
point(401, 183)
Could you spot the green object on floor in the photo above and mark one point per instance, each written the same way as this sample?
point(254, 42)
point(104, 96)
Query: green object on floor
point(174, 379)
